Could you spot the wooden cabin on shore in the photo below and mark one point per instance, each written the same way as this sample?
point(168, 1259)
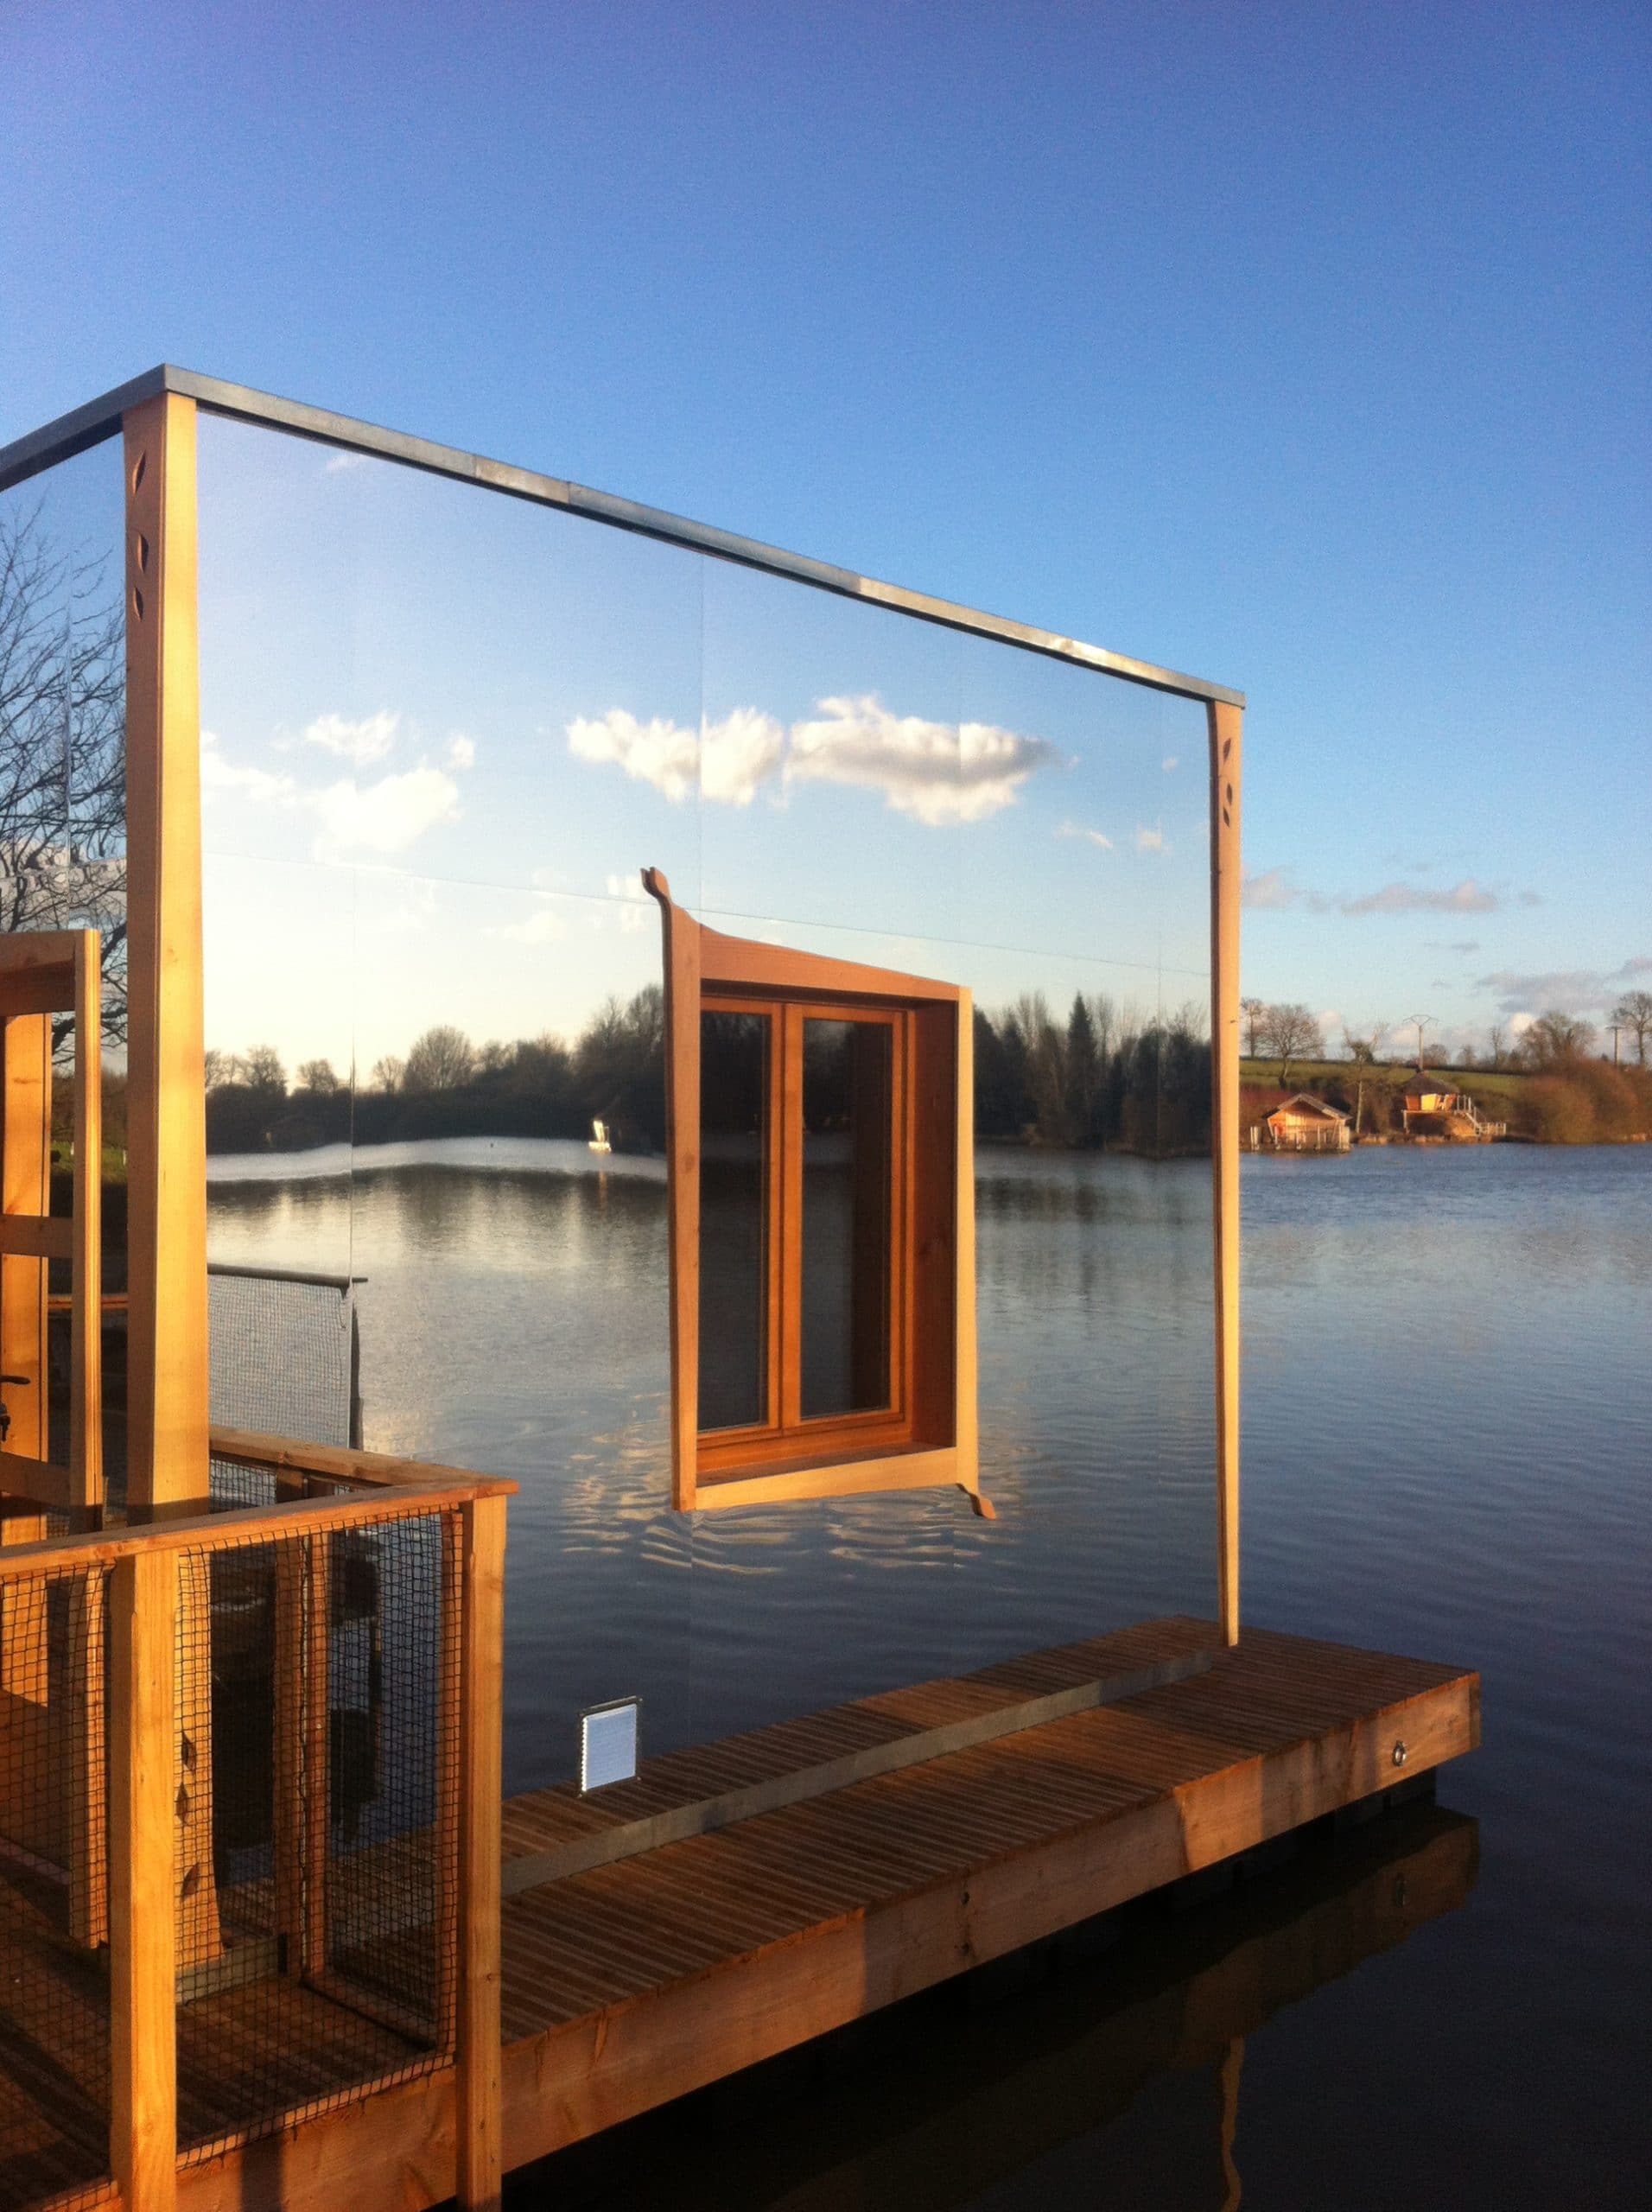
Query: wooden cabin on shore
point(363, 746)
point(1435, 1108)
point(1300, 1123)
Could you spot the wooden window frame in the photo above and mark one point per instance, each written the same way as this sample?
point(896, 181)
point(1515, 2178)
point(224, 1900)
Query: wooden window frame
point(926, 1437)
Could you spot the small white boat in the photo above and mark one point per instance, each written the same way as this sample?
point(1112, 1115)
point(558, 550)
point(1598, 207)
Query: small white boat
point(598, 1137)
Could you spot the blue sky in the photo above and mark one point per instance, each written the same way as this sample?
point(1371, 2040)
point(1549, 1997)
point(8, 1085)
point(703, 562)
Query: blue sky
point(1304, 348)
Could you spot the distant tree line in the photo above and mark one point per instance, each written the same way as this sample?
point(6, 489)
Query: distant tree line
point(1103, 1077)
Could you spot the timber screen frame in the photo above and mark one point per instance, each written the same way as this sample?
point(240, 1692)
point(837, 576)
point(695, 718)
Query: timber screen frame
point(156, 414)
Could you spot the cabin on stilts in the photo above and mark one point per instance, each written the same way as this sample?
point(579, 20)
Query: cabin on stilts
point(1300, 1123)
point(502, 988)
point(1435, 1110)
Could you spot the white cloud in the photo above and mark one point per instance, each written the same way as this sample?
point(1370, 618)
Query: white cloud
point(383, 818)
point(940, 776)
point(636, 907)
point(544, 926)
point(932, 771)
point(1269, 890)
point(660, 752)
point(218, 774)
point(461, 750)
point(337, 463)
point(1151, 840)
point(1466, 898)
point(1573, 990)
point(361, 742)
point(1096, 837)
point(739, 755)
point(1170, 760)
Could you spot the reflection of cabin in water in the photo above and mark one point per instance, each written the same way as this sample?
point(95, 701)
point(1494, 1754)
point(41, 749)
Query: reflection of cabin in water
point(270, 1932)
point(1300, 1123)
point(1434, 1108)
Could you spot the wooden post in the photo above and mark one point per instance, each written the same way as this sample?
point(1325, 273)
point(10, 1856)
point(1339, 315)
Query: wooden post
point(318, 1747)
point(86, 1319)
point(143, 2090)
point(478, 2124)
point(682, 962)
point(166, 1455)
point(1225, 724)
point(25, 1173)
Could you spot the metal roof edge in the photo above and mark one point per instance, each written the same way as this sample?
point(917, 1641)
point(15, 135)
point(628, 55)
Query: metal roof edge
point(100, 419)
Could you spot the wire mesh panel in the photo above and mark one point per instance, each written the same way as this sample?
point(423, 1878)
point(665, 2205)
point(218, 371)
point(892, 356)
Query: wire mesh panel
point(317, 1812)
point(285, 1354)
point(54, 1889)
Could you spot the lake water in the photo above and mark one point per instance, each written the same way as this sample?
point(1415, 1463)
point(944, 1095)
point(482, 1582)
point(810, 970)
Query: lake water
point(1447, 1447)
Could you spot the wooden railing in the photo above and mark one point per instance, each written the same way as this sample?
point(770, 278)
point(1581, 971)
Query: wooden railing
point(192, 1806)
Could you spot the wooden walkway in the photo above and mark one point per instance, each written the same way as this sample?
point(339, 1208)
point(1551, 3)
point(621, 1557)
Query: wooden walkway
point(679, 1962)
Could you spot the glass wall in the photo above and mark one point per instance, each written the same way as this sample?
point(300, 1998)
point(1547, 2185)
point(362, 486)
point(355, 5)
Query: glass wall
point(63, 835)
point(442, 733)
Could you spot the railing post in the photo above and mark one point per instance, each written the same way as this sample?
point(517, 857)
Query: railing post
point(144, 2078)
point(478, 2130)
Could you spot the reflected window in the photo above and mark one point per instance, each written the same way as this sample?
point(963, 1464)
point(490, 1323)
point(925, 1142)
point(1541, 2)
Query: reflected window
point(735, 1386)
point(820, 1160)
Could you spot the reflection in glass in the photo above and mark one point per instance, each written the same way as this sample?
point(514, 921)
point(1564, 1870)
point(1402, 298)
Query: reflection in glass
point(733, 1219)
point(846, 1216)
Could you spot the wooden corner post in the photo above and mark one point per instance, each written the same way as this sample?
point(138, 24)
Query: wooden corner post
point(167, 1395)
point(480, 2147)
point(143, 2077)
point(1226, 724)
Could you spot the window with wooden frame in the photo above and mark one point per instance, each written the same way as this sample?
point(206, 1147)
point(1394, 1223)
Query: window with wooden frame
point(820, 1160)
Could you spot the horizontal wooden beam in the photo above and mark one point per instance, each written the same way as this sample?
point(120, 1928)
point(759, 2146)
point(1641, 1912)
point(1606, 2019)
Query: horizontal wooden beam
point(301, 1516)
point(36, 1237)
point(862, 1765)
point(380, 1470)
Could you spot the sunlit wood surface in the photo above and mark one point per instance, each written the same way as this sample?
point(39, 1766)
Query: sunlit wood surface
point(637, 1980)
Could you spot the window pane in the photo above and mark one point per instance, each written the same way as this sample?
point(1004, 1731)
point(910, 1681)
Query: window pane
point(846, 1120)
point(733, 1219)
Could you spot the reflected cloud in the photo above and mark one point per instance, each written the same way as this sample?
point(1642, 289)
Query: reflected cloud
point(936, 772)
point(544, 927)
point(384, 817)
point(361, 742)
point(660, 752)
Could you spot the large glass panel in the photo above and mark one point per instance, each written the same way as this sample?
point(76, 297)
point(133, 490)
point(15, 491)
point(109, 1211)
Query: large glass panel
point(736, 1050)
point(399, 671)
point(63, 839)
point(1103, 842)
point(846, 1197)
point(445, 730)
point(833, 786)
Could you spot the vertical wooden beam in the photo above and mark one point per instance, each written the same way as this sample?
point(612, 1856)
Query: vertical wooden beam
point(143, 1639)
point(25, 1188)
point(1226, 724)
point(681, 948)
point(85, 1320)
point(966, 1418)
point(318, 1747)
point(167, 1451)
point(480, 1786)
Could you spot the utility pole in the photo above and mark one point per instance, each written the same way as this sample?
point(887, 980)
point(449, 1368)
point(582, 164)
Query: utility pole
point(1418, 1020)
point(1614, 1026)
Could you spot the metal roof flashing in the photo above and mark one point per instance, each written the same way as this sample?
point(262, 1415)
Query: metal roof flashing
point(100, 419)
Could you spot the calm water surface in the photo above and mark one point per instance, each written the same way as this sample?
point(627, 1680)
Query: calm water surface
point(1448, 1439)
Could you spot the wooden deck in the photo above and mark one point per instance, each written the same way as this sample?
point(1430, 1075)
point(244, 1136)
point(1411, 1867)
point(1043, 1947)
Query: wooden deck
point(680, 1961)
